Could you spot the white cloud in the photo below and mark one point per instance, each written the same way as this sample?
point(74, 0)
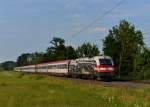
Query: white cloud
point(100, 29)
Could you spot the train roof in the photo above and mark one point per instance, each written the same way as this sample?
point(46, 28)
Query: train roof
point(54, 62)
point(48, 63)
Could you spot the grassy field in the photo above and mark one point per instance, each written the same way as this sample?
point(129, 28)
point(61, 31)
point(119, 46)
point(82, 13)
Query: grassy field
point(19, 90)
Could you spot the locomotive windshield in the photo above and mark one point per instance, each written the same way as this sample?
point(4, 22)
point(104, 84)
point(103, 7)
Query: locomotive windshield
point(105, 62)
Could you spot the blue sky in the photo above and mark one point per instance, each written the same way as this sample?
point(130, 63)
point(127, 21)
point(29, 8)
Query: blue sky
point(29, 25)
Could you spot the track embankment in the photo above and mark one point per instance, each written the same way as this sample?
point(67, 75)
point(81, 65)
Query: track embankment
point(119, 84)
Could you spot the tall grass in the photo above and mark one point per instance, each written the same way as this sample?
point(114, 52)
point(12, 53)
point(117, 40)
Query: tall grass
point(22, 90)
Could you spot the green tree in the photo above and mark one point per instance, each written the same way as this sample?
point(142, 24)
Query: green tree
point(87, 50)
point(142, 65)
point(70, 53)
point(56, 51)
point(37, 57)
point(8, 65)
point(30, 58)
point(122, 43)
point(24, 59)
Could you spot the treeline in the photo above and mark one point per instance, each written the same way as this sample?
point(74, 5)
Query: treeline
point(123, 43)
point(8, 66)
point(58, 51)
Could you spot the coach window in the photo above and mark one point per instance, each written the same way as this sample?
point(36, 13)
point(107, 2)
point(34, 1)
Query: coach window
point(49, 67)
point(61, 66)
point(58, 66)
point(64, 66)
point(53, 67)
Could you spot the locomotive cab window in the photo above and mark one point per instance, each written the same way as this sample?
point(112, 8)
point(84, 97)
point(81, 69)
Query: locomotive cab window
point(105, 62)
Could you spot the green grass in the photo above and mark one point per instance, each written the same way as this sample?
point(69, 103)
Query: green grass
point(22, 90)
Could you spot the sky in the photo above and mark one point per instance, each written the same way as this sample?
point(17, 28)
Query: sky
point(29, 25)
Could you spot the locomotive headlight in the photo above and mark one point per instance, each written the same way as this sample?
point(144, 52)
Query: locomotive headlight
point(103, 68)
point(110, 68)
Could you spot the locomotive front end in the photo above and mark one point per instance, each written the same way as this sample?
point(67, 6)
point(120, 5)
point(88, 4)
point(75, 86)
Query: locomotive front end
point(104, 67)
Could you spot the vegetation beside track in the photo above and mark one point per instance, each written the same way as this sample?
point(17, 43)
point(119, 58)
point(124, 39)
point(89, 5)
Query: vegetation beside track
point(22, 90)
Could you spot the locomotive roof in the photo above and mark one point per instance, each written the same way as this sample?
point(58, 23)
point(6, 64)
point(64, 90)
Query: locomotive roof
point(103, 57)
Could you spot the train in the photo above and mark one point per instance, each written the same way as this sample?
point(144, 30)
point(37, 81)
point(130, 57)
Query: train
point(97, 67)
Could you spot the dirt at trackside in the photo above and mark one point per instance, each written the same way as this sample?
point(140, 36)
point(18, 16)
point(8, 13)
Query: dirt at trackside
point(132, 84)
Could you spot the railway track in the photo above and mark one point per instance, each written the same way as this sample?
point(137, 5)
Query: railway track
point(119, 84)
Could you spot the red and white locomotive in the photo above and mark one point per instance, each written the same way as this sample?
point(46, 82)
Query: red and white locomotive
point(96, 67)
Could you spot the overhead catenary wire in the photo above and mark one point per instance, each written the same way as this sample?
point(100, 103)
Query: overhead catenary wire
point(147, 39)
point(100, 18)
point(145, 33)
point(96, 20)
